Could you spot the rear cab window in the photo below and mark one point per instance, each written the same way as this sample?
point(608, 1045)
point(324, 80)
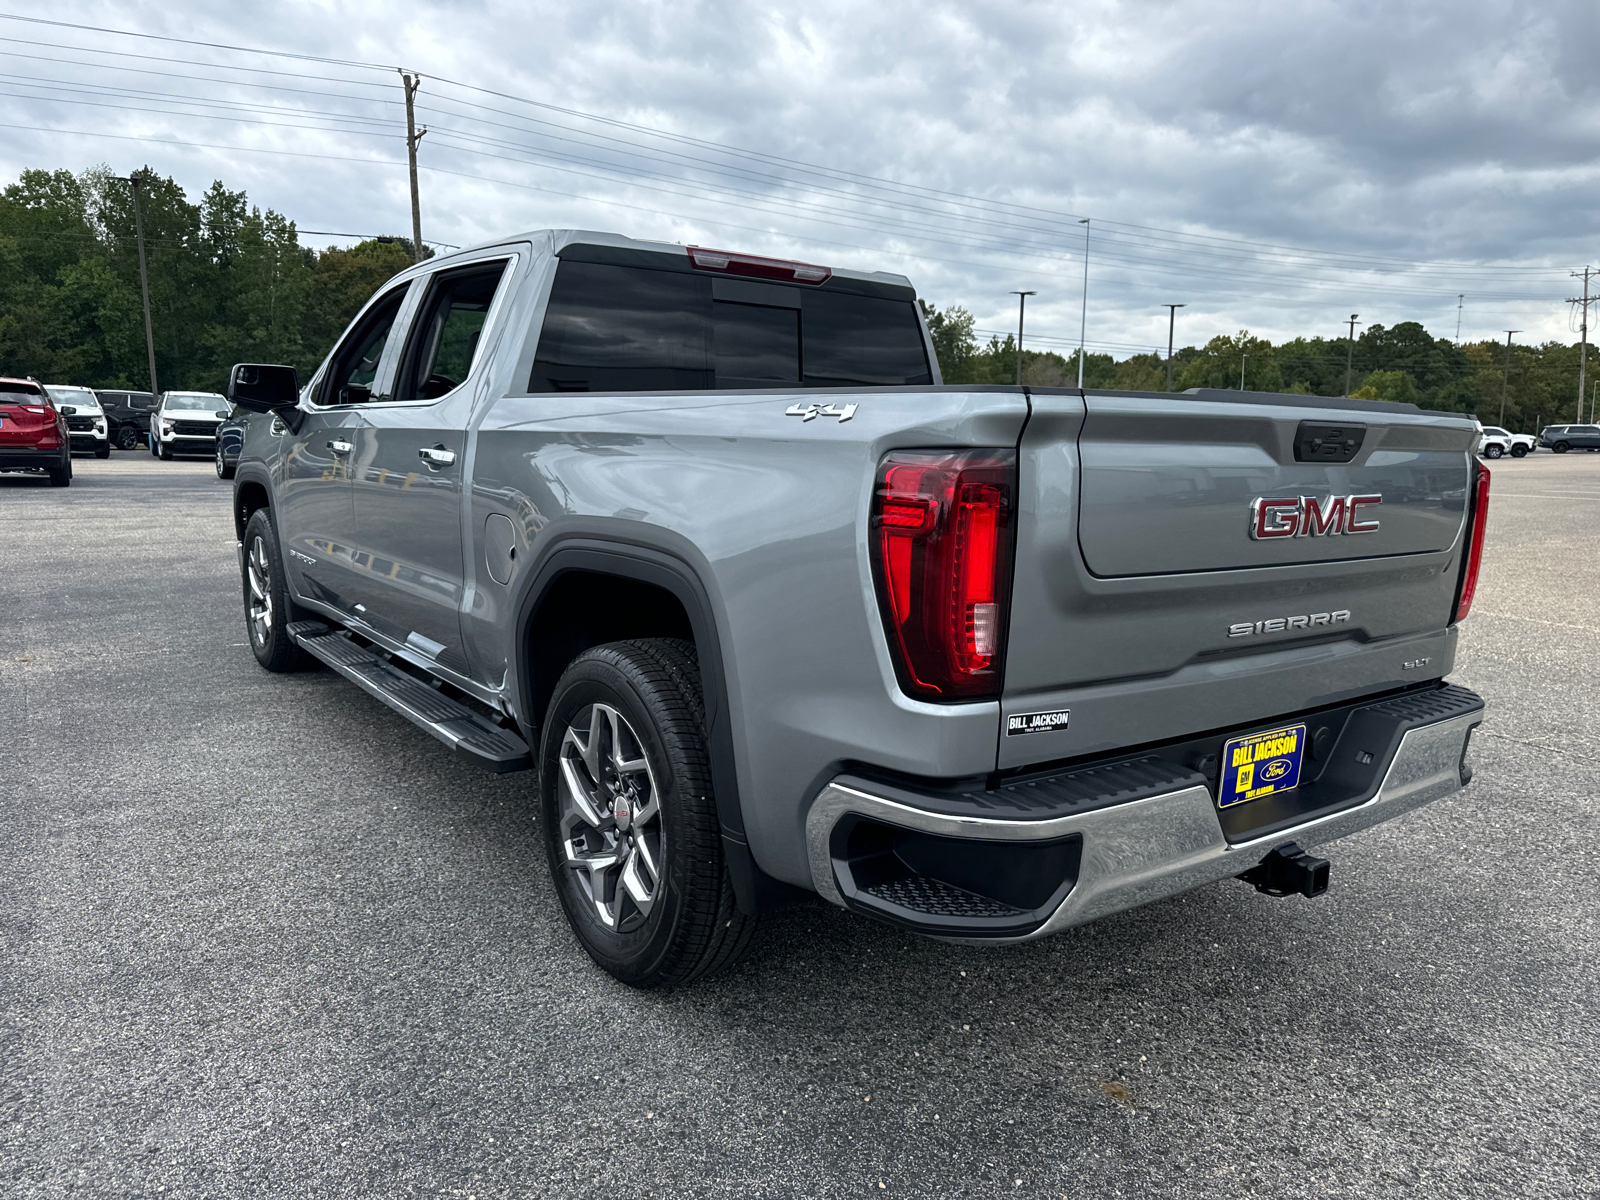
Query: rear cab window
point(653, 325)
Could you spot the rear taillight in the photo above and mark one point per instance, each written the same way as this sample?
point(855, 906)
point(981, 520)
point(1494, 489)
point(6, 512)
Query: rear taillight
point(941, 547)
point(1477, 521)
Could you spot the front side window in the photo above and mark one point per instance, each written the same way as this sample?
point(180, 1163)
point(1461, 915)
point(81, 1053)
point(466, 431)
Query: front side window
point(444, 337)
point(354, 369)
point(625, 328)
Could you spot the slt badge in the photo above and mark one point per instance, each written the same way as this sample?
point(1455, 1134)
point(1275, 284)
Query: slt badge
point(810, 412)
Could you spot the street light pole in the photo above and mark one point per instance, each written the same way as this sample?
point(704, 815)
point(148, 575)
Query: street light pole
point(1022, 307)
point(1349, 352)
point(1242, 357)
point(1172, 320)
point(1083, 314)
point(1505, 378)
point(134, 181)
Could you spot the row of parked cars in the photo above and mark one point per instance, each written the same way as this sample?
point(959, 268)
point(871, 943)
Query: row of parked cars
point(1496, 442)
point(43, 424)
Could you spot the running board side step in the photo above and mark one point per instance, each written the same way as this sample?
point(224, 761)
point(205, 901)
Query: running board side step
point(470, 735)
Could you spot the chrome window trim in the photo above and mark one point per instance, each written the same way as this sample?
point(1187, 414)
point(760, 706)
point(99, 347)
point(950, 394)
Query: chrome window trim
point(407, 316)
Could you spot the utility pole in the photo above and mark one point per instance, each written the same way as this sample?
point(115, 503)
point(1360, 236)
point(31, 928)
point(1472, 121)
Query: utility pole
point(413, 136)
point(1022, 307)
point(1583, 348)
point(1242, 357)
point(1350, 352)
point(1083, 315)
point(1461, 298)
point(1505, 379)
point(1172, 319)
point(134, 181)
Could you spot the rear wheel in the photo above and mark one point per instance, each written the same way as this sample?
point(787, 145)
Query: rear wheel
point(62, 476)
point(267, 607)
point(630, 822)
point(224, 471)
point(1561, 447)
point(1493, 451)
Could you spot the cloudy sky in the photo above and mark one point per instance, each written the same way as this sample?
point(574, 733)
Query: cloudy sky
point(1275, 167)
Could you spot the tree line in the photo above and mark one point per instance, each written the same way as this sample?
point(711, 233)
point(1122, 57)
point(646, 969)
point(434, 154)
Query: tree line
point(231, 283)
point(228, 283)
point(1401, 362)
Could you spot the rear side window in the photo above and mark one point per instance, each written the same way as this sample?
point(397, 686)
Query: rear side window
point(625, 328)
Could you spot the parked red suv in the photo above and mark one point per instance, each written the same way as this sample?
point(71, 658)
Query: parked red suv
point(33, 435)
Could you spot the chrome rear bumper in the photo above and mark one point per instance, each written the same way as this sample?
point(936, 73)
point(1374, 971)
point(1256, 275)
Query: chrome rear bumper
point(1158, 846)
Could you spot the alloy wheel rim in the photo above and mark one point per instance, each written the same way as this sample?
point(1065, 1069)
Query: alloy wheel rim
point(610, 818)
point(219, 461)
point(258, 573)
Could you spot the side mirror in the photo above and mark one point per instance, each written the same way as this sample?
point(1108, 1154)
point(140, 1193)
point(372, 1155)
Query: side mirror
point(262, 388)
point(68, 411)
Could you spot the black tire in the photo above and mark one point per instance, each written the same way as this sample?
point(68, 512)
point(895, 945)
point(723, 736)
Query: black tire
point(166, 452)
point(62, 476)
point(1561, 447)
point(1519, 451)
point(267, 628)
point(152, 440)
point(690, 927)
point(128, 437)
point(224, 471)
point(103, 451)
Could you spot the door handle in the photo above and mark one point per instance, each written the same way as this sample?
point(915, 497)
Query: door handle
point(340, 447)
point(436, 456)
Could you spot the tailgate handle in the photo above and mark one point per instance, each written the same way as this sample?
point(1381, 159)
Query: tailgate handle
point(1323, 443)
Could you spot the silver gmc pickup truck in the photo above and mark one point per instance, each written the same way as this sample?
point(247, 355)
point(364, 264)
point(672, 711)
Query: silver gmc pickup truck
point(702, 539)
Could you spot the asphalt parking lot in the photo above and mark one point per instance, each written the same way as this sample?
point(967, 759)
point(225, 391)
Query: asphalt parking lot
point(262, 938)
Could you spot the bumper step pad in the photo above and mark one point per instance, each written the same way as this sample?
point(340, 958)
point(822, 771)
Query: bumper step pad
point(468, 733)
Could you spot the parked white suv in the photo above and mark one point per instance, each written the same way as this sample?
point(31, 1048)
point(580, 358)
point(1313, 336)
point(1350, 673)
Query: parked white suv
point(186, 423)
point(1496, 442)
point(86, 420)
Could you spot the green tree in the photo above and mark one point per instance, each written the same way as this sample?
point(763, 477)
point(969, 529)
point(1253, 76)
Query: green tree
point(1224, 359)
point(953, 341)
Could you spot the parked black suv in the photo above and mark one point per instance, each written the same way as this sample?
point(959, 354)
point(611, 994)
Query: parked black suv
point(1562, 438)
point(129, 414)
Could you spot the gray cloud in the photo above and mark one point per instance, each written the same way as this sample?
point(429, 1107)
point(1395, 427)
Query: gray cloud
point(1379, 139)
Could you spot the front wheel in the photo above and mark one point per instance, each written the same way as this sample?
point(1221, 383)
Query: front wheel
point(267, 607)
point(166, 452)
point(1493, 451)
point(224, 471)
point(127, 438)
point(630, 821)
point(1519, 451)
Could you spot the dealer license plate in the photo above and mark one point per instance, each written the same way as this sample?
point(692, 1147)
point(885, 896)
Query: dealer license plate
point(1261, 764)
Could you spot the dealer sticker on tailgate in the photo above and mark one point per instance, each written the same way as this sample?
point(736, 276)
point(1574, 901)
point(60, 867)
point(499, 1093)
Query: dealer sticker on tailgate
point(1260, 765)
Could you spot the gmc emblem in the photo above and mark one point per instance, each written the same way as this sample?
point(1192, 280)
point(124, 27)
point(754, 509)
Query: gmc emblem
point(1306, 516)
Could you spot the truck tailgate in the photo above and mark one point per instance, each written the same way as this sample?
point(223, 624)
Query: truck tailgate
point(1182, 566)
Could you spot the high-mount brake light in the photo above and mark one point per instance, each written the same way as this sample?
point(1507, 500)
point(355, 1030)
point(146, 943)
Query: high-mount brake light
point(726, 262)
point(941, 550)
point(1479, 523)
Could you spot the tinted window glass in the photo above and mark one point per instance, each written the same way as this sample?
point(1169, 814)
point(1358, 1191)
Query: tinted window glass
point(612, 329)
point(616, 328)
point(355, 363)
point(444, 338)
point(861, 340)
point(755, 344)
